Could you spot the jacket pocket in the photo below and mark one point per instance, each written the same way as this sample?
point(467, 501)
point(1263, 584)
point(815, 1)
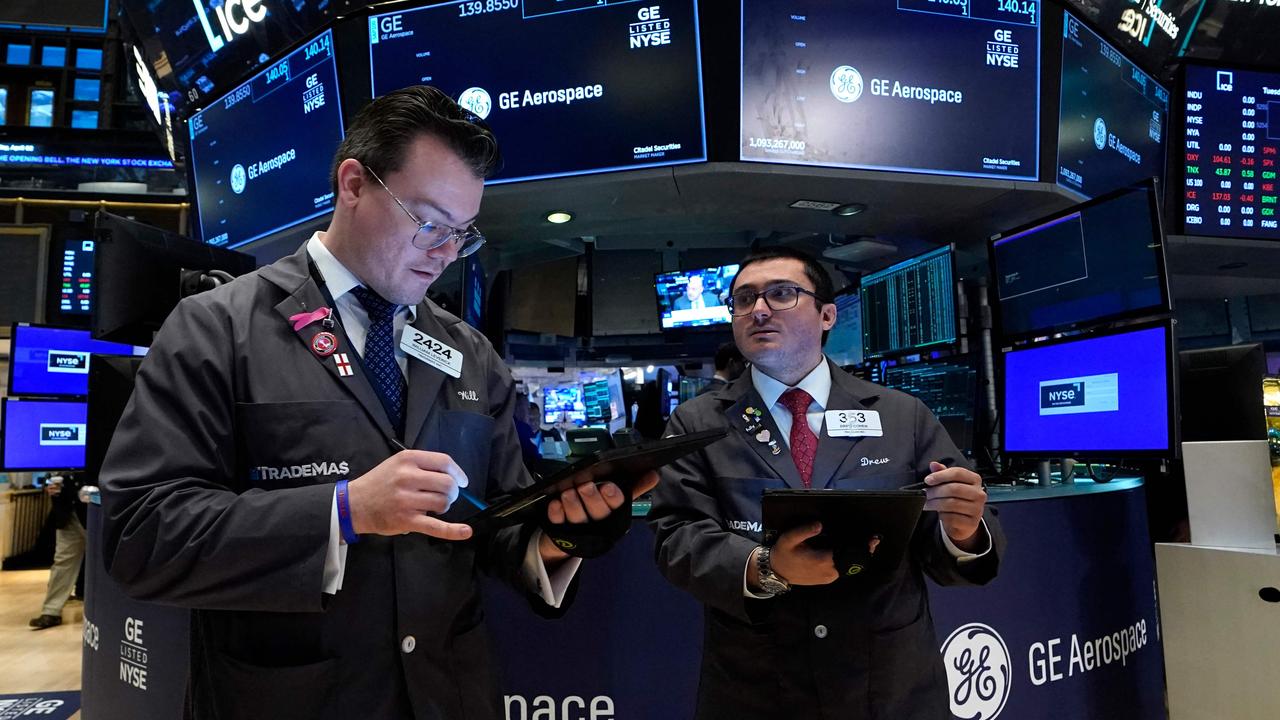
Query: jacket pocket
point(467, 438)
point(245, 691)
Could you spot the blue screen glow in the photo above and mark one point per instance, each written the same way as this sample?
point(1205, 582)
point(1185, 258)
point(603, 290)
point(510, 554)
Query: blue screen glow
point(55, 361)
point(42, 435)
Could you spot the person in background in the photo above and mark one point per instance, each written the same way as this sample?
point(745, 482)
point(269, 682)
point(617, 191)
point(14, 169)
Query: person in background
point(524, 430)
point(729, 365)
point(68, 517)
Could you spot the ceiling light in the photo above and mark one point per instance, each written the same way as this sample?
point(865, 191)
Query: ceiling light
point(848, 209)
point(559, 217)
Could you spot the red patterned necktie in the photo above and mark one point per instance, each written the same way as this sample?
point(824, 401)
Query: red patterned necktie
point(804, 444)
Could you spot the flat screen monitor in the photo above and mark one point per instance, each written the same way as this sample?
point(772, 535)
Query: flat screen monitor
point(844, 341)
point(140, 271)
point(947, 88)
point(581, 87)
point(563, 402)
point(1232, 153)
point(198, 49)
point(1220, 390)
point(260, 155)
point(691, 386)
point(595, 398)
point(690, 298)
point(948, 387)
point(910, 306)
point(1112, 119)
point(75, 277)
point(1103, 395)
point(1098, 261)
point(54, 361)
point(43, 434)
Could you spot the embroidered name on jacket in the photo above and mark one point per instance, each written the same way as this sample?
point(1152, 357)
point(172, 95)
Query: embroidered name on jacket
point(289, 472)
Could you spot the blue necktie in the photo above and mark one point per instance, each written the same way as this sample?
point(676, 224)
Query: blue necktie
point(380, 355)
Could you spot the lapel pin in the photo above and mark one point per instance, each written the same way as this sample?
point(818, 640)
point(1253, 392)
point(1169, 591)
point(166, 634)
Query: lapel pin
point(324, 343)
point(344, 365)
point(762, 436)
point(774, 447)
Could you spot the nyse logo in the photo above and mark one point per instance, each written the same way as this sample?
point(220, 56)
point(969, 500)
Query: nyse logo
point(235, 17)
point(978, 671)
point(651, 29)
point(1066, 395)
point(1002, 51)
point(846, 84)
point(313, 96)
point(67, 361)
point(61, 434)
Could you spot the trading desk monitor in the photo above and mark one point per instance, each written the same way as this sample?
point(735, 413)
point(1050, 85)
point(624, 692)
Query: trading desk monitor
point(912, 85)
point(1111, 123)
point(1232, 153)
point(1221, 395)
point(948, 387)
point(844, 342)
point(260, 155)
point(54, 361)
point(581, 86)
point(690, 298)
point(75, 278)
point(563, 402)
point(910, 306)
point(43, 434)
point(1103, 395)
point(1100, 260)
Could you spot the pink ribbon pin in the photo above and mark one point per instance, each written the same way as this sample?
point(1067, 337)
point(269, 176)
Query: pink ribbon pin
point(302, 320)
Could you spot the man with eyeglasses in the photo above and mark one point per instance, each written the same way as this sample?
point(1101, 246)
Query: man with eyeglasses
point(786, 635)
point(303, 444)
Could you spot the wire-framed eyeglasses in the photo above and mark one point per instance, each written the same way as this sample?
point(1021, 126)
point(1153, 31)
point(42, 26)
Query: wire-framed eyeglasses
point(778, 297)
point(431, 235)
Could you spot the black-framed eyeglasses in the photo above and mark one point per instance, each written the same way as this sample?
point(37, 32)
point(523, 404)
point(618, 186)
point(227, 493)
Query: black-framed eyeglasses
point(431, 235)
point(778, 297)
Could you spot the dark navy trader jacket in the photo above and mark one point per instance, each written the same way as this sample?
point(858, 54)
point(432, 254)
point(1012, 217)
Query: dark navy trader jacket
point(850, 650)
point(217, 494)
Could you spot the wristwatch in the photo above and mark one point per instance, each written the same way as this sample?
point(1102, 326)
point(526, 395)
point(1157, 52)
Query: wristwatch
point(770, 581)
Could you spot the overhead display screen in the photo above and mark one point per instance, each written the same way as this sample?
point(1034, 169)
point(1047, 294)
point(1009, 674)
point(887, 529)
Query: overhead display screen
point(1232, 153)
point(1111, 127)
point(1153, 32)
point(913, 85)
point(198, 49)
point(689, 298)
point(909, 306)
point(595, 86)
point(250, 184)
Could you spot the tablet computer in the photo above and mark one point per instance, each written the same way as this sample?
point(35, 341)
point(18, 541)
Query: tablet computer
point(621, 466)
point(868, 531)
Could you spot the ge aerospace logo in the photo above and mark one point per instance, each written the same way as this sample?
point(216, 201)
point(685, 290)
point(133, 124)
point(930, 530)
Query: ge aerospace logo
point(978, 672)
point(1100, 133)
point(846, 84)
point(237, 179)
point(476, 100)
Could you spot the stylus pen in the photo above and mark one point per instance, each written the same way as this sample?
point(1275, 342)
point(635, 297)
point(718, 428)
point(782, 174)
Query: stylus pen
point(461, 493)
point(915, 486)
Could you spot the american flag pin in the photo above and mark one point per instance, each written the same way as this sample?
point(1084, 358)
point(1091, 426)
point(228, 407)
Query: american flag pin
point(344, 365)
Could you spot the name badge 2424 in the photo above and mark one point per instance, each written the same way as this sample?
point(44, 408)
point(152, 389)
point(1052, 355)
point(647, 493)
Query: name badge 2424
point(854, 423)
point(432, 352)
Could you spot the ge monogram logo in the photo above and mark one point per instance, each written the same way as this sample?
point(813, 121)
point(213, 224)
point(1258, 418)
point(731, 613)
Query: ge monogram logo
point(978, 672)
point(1100, 133)
point(846, 84)
point(476, 100)
point(237, 179)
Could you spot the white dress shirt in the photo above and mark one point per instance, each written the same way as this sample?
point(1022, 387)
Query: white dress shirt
point(818, 384)
point(340, 281)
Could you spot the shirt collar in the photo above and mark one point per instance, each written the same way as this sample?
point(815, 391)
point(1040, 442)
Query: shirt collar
point(817, 383)
point(337, 278)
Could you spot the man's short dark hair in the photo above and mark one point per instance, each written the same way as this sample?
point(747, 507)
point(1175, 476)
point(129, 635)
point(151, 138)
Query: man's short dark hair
point(726, 354)
point(812, 270)
point(382, 131)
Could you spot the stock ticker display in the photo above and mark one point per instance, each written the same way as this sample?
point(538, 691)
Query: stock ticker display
point(75, 287)
point(1111, 126)
point(931, 86)
point(909, 306)
point(948, 387)
point(595, 86)
point(260, 155)
point(1232, 153)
